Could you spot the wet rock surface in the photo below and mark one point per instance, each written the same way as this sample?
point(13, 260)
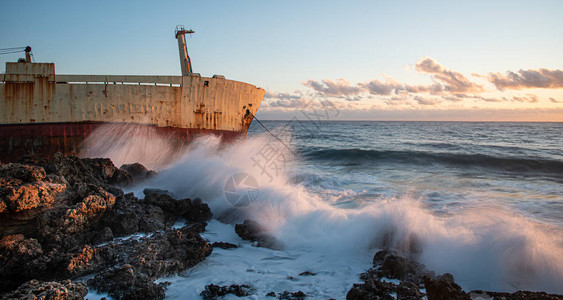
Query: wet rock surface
point(414, 279)
point(252, 231)
point(24, 187)
point(62, 290)
point(224, 245)
point(444, 287)
point(287, 295)
point(213, 291)
point(65, 218)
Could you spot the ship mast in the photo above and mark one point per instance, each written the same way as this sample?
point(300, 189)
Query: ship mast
point(185, 62)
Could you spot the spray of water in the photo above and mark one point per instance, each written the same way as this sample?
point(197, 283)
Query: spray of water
point(132, 143)
point(484, 248)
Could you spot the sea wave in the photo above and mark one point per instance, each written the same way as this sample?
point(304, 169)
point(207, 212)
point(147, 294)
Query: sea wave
point(471, 160)
point(489, 247)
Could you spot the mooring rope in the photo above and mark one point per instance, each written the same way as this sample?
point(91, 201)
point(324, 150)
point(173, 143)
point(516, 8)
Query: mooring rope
point(272, 134)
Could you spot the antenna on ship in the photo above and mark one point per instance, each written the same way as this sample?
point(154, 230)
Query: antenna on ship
point(185, 62)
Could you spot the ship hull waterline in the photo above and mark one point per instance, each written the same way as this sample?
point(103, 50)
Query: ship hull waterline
point(69, 138)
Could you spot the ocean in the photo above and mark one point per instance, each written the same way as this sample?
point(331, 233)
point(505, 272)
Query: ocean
point(482, 201)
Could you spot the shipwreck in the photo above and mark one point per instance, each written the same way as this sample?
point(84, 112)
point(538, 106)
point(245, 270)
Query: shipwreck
point(42, 113)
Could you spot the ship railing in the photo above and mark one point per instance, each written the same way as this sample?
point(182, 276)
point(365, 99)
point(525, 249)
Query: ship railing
point(120, 79)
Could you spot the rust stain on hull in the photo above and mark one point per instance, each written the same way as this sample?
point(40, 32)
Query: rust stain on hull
point(47, 139)
point(42, 113)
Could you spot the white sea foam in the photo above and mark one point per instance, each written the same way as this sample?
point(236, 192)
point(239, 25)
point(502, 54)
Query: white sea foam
point(488, 248)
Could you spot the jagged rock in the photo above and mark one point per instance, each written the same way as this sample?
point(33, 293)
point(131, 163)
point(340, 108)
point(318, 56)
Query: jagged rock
point(26, 173)
point(198, 211)
point(407, 290)
point(138, 171)
point(213, 291)
point(89, 260)
point(307, 273)
point(372, 288)
point(141, 262)
point(248, 230)
point(63, 290)
point(16, 253)
point(47, 165)
point(168, 253)
point(191, 210)
point(124, 218)
point(150, 191)
point(125, 282)
point(151, 218)
point(286, 295)
point(57, 225)
point(392, 265)
point(74, 170)
point(104, 168)
point(253, 231)
point(224, 245)
point(24, 187)
point(519, 295)
point(443, 288)
point(59, 240)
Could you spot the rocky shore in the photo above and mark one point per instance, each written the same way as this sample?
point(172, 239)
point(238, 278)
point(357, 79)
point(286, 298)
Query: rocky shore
point(63, 229)
point(63, 219)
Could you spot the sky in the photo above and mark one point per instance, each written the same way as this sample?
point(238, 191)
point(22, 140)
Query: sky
point(363, 60)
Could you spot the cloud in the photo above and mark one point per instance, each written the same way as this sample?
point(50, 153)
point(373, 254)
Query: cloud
point(447, 85)
point(376, 87)
point(396, 100)
point(453, 98)
point(339, 87)
point(491, 99)
point(426, 101)
point(525, 79)
point(352, 99)
point(285, 103)
point(282, 96)
point(432, 89)
point(453, 81)
point(531, 99)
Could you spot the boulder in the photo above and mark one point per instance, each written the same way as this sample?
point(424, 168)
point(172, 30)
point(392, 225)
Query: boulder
point(224, 245)
point(407, 290)
point(213, 291)
point(287, 295)
point(125, 282)
point(24, 187)
point(253, 231)
point(393, 265)
point(138, 171)
point(443, 288)
point(192, 210)
point(372, 288)
point(107, 172)
point(62, 290)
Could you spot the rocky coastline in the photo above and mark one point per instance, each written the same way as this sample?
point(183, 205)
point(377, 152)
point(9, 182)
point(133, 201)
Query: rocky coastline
point(63, 224)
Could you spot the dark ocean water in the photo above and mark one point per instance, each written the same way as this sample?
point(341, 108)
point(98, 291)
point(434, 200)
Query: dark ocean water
point(448, 165)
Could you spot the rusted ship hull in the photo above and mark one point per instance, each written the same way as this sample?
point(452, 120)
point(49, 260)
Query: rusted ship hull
point(70, 138)
point(42, 113)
